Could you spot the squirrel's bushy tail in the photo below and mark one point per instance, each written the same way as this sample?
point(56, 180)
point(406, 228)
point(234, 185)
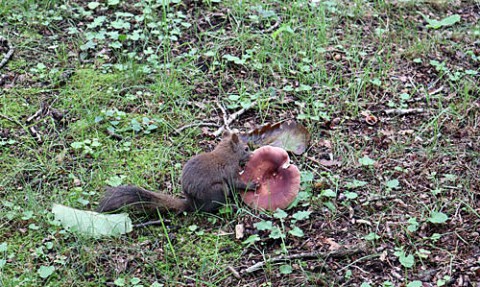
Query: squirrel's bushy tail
point(140, 200)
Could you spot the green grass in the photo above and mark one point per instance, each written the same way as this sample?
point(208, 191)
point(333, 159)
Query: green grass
point(327, 64)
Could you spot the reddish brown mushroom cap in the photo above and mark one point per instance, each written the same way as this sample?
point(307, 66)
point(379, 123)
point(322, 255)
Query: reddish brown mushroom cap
point(278, 180)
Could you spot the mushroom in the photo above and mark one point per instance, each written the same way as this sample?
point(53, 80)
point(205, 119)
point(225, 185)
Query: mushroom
point(278, 180)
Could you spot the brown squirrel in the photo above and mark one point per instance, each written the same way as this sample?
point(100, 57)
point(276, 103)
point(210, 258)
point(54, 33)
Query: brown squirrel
point(207, 180)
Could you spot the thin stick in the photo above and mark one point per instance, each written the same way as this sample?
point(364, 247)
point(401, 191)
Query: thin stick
point(368, 201)
point(224, 112)
point(334, 254)
point(402, 112)
point(273, 27)
point(148, 223)
point(35, 134)
point(36, 114)
point(234, 272)
point(9, 54)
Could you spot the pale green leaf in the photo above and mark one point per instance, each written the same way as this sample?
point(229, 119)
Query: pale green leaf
point(276, 233)
point(115, 180)
point(45, 271)
point(445, 22)
point(416, 283)
point(376, 82)
point(135, 280)
point(77, 145)
point(350, 195)
point(119, 282)
point(330, 206)
point(371, 236)
point(286, 269)
point(263, 225)
point(413, 224)
point(252, 239)
point(406, 261)
point(296, 231)
point(393, 184)
point(280, 214)
point(438, 217)
point(93, 5)
point(92, 223)
point(306, 176)
point(328, 193)
point(301, 215)
point(366, 161)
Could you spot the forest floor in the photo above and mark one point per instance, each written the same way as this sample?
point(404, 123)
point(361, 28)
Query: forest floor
point(389, 91)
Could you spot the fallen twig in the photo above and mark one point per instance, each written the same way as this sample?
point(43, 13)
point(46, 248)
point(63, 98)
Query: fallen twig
point(224, 112)
point(273, 27)
point(402, 112)
point(232, 118)
point(36, 114)
point(234, 272)
point(9, 53)
point(32, 129)
point(35, 134)
point(148, 223)
point(227, 121)
point(333, 254)
point(368, 201)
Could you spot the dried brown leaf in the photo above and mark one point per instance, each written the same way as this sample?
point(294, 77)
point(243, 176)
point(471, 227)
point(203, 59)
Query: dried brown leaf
point(288, 135)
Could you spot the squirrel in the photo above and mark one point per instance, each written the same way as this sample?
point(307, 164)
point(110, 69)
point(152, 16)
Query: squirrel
point(207, 181)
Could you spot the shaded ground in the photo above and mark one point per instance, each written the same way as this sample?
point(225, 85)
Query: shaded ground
point(392, 105)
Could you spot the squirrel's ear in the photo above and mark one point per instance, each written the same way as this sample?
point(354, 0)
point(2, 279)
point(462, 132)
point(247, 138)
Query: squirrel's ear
point(235, 138)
